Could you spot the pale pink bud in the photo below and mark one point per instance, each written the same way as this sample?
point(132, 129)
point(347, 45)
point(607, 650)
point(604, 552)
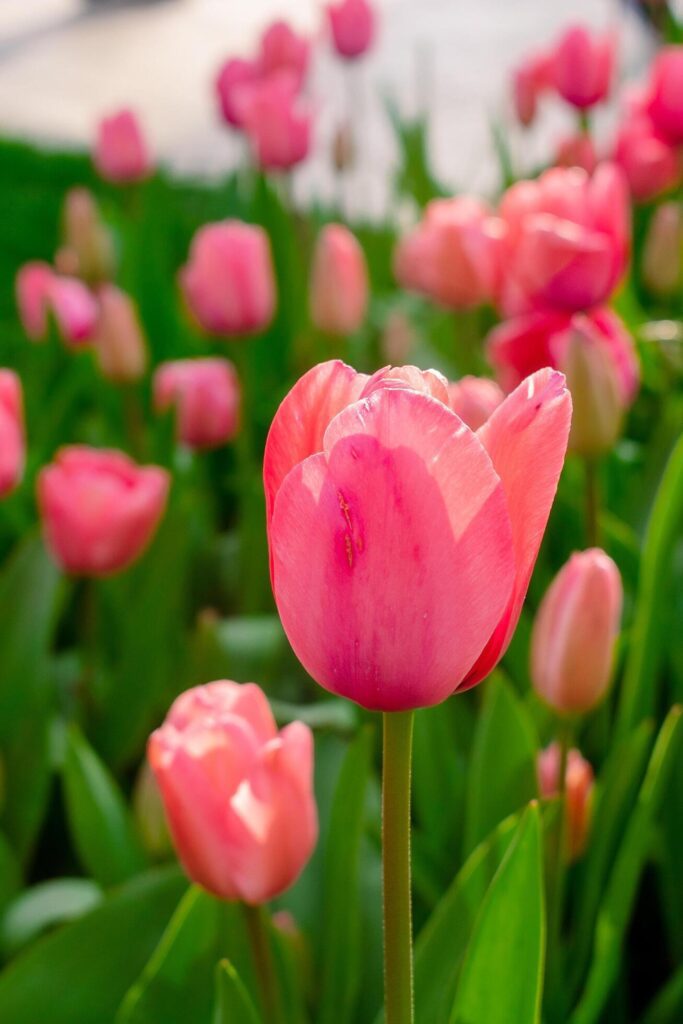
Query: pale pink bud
point(282, 49)
point(579, 784)
point(277, 122)
point(228, 281)
point(398, 338)
point(238, 793)
point(577, 151)
point(75, 310)
point(33, 284)
point(575, 631)
point(235, 78)
point(473, 399)
point(99, 509)
point(583, 66)
point(339, 282)
point(121, 154)
point(86, 237)
point(12, 440)
point(120, 344)
point(206, 394)
point(353, 27)
point(662, 264)
point(593, 379)
point(649, 160)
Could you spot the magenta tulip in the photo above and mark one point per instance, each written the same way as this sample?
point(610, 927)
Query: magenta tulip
point(583, 66)
point(339, 282)
point(474, 399)
point(233, 83)
point(12, 440)
point(650, 162)
point(121, 154)
point(278, 122)
point(529, 81)
point(353, 27)
point(664, 93)
point(282, 49)
point(75, 310)
point(33, 284)
point(206, 395)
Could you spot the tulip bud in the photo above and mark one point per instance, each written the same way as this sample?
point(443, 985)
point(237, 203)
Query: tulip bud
point(339, 282)
point(664, 96)
point(662, 266)
point(12, 441)
point(235, 79)
point(593, 381)
point(33, 284)
point(238, 793)
point(277, 122)
point(75, 310)
point(150, 817)
point(206, 393)
point(121, 154)
point(579, 784)
point(398, 338)
point(473, 399)
point(282, 49)
point(529, 81)
point(650, 161)
point(119, 342)
point(574, 633)
point(583, 66)
point(353, 27)
point(86, 237)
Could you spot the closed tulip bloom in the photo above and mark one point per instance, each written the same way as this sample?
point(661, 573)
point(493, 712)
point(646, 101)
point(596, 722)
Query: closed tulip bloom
point(529, 80)
point(121, 154)
point(575, 631)
point(120, 344)
point(235, 78)
point(650, 162)
point(33, 284)
point(277, 122)
point(662, 265)
point(664, 94)
point(579, 785)
point(99, 509)
point(577, 151)
point(594, 383)
point(12, 440)
point(206, 395)
point(75, 310)
point(238, 793)
point(339, 282)
point(283, 49)
point(228, 281)
point(86, 237)
point(473, 399)
point(583, 66)
point(353, 27)
point(401, 542)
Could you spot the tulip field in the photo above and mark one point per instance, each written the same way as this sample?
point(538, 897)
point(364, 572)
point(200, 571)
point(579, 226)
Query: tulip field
point(341, 563)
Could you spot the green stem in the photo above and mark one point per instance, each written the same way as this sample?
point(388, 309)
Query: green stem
point(398, 938)
point(592, 503)
point(262, 956)
point(557, 880)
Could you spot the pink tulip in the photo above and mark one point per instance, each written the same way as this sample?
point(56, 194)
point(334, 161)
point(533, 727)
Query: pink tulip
point(206, 394)
point(87, 242)
point(577, 151)
point(579, 784)
point(649, 161)
point(238, 793)
point(282, 49)
point(450, 255)
point(277, 122)
point(33, 284)
point(339, 282)
point(235, 79)
point(583, 66)
point(596, 388)
point(529, 80)
point(12, 440)
point(662, 261)
point(402, 543)
point(353, 27)
point(575, 631)
point(564, 240)
point(664, 93)
point(75, 310)
point(99, 509)
point(120, 344)
point(228, 281)
point(121, 154)
point(474, 399)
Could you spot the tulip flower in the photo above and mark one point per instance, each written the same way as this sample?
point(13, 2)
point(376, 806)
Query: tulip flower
point(401, 542)
point(282, 49)
point(578, 787)
point(99, 509)
point(352, 23)
point(529, 81)
point(664, 93)
point(593, 379)
point(233, 83)
point(238, 793)
point(662, 265)
point(206, 395)
point(277, 122)
point(650, 162)
point(121, 154)
point(339, 282)
point(12, 441)
point(577, 151)
point(33, 284)
point(119, 342)
point(582, 66)
point(86, 238)
point(75, 309)
point(228, 281)
point(575, 631)
point(474, 399)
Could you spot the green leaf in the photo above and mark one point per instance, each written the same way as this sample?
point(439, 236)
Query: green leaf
point(341, 940)
point(101, 828)
point(10, 873)
point(80, 973)
point(502, 775)
point(233, 1003)
point(510, 934)
point(621, 889)
point(667, 1008)
point(44, 906)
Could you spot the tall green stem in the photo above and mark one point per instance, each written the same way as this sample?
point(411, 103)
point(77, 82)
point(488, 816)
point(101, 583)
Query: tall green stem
point(557, 878)
point(592, 503)
point(398, 929)
point(262, 956)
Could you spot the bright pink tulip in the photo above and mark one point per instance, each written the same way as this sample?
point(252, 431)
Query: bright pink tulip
point(238, 793)
point(564, 240)
point(75, 309)
point(579, 783)
point(664, 93)
point(339, 282)
point(121, 153)
point(529, 80)
point(282, 49)
point(649, 161)
point(575, 631)
point(277, 122)
point(206, 394)
point(583, 66)
point(233, 83)
point(451, 255)
point(401, 542)
point(12, 440)
point(33, 284)
point(473, 399)
point(99, 509)
point(353, 27)
point(577, 151)
point(120, 344)
point(228, 281)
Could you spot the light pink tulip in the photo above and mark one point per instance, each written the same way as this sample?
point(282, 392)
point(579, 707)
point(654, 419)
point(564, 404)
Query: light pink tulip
point(228, 281)
point(234, 81)
point(33, 284)
point(575, 631)
point(121, 154)
point(594, 381)
point(401, 542)
point(282, 49)
point(119, 342)
point(577, 151)
point(650, 162)
point(206, 394)
point(87, 242)
point(238, 793)
point(579, 784)
point(353, 27)
point(529, 81)
point(583, 66)
point(75, 310)
point(664, 93)
point(339, 282)
point(662, 260)
point(278, 122)
point(473, 399)
point(99, 509)
point(12, 440)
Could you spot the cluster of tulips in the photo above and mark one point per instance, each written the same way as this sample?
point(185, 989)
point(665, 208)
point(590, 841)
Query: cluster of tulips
point(404, 512)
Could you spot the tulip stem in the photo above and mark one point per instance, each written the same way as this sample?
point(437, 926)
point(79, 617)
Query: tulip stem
point(398, 938)
point(556, 895)
point(262, 955)
point(592, 503)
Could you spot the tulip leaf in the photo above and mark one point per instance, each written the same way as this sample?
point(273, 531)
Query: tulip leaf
point(42, 907)
point(233, 1003)
point(667, 1008)
point(509, 933)
point(101, 828)
point(504, 752)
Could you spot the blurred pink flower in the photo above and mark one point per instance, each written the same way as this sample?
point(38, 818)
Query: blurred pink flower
point(577, 151)
point(353, 27)
point(12, 439)
point(33, 284)
point(473, 399)
point(282, 49)
point(529, 81)
point(651, 163)
point(119, 342)
point(583, 65)
point(579, 785)
point(663, 94)
point(121, 153)
point(277, 121)
point(233, 83)
point(339, 282)
point(206, 395)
